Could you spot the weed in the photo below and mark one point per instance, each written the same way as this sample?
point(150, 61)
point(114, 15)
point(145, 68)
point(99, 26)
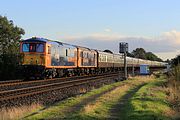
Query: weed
point(18, 112)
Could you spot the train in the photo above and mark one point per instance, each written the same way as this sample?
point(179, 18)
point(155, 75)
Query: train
point(44, 58)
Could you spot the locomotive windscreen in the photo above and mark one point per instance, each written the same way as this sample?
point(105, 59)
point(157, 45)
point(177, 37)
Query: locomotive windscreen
point(32, 47)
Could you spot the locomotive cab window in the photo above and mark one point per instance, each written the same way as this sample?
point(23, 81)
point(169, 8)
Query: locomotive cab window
point(39, 47)
point(33, 47)
point(25, 47)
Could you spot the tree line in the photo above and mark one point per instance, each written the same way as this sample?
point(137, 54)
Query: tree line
point(142, 54)
point(10, 35)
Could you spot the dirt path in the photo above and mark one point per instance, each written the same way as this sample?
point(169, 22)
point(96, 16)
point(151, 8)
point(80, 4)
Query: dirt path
point(117, 111)
point(78, 107)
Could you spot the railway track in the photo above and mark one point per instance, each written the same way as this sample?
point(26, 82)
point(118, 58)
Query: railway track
point(17, 84)
point(10, 96)
point(9, 82)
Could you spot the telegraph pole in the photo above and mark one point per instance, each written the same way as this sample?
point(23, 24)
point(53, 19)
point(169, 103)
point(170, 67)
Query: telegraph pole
point(123, 48)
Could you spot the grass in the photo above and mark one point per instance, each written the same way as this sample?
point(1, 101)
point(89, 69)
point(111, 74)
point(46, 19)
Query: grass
point(149, 103)
point(173, 89)
point(17, 112)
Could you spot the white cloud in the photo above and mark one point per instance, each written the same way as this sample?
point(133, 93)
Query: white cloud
point(168, 55)
point(173, 36)
point(96, 36)
point(107, 30)
point(107, 37)
point(167, 45)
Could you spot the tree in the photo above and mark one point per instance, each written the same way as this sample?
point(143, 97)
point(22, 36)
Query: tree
point(130, 54)
point(168, 61)
point(10, 35)
point(142, 54)
point(151, 56)
point(108, 51)
point(176, 61)
point(139, 53)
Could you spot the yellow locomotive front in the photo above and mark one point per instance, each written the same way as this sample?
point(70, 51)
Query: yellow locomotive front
point(33, 53)
point(33, 57)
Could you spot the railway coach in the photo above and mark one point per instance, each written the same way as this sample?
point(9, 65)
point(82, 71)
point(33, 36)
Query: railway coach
point(87, 61)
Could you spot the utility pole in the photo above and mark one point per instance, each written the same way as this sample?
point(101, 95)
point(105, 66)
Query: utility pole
point(123, 48)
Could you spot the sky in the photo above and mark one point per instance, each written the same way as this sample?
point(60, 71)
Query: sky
point(101, 24)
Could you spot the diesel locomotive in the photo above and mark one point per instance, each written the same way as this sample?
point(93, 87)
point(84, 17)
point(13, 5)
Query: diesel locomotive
point(44, 58)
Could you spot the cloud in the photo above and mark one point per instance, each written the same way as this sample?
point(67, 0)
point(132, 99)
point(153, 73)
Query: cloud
point(105, 37)
point(167, 42)
point(94, 36)
point(173, 36)
point(107, 30)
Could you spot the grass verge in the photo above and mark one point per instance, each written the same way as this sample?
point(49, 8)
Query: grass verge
point(149, 103)
point(17, 112)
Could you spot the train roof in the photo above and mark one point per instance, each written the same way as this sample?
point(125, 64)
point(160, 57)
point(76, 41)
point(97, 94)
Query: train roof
point(35, 39)
point(44, 40)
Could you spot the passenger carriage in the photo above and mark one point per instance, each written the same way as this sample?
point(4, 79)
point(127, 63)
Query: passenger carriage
point(105, 61)
point(87, 60)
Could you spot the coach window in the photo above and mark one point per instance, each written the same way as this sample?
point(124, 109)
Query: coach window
point(81, 54)
point(49, 50)
point(66, 52)
point(99, 58)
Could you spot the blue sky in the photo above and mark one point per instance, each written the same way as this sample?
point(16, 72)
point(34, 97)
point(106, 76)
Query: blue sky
point(106, 22)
